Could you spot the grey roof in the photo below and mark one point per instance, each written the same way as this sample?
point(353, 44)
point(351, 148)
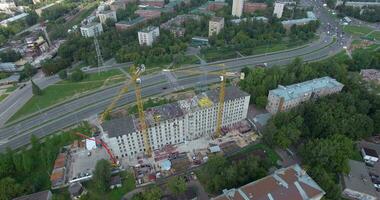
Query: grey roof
point(299, 89)
point(35, 196)
point(230, 93)
point(76, 189)
point(8, 67)
point(370, 152)
point(91, 24)
point(11, 79)
point(115, 180)
point(358, 179)
point(148, 29)
point(216, 19)
point(120, 126)
point(370, 145)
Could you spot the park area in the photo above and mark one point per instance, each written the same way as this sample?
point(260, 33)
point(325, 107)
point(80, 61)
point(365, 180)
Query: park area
point(362, 31)
point(246, 165)
point(66, 90)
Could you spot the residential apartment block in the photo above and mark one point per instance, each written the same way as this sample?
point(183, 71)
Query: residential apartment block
point(177, 122)
point(92, 29)
point(109, 14)
point(237, 8)
point(278, 9)
point(289, 183)
point(148, 35)
point(215, 25)
point(286, 97)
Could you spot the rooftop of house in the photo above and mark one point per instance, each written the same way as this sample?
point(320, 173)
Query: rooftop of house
point(115, 180)
point(300, 89)
point(358, 179)
point(75, 189)
point(371, 146)
point(217, 19)
point(148, 29)
point(370, 152)
point(310, 17)
point(127, 125)
point(286, 183)
point(91, 24)
point(133, 21)
point(35, 196)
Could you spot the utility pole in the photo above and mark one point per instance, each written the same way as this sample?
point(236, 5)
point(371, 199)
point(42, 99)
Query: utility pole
point(98, 53)
point(43, 28)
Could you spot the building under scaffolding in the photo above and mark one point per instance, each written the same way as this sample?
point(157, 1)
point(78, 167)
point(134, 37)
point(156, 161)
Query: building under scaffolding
point(176, 122)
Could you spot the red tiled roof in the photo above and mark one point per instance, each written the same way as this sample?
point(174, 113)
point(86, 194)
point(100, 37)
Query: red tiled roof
point(285, 184)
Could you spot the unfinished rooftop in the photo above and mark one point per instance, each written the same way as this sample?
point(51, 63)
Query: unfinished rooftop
point(154, 115)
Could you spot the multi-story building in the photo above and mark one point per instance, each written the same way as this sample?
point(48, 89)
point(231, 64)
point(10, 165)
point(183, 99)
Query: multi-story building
point(91, 29)
point(278, 9)
point(148, 14)
point(176, 122)
point(148, 35)
point(286, 97)
point(287, 24)
point(250, 7)
point(286, 183)
point(125, 25)
point(237, 8)
point(215, 25)
point(116, 5)
point(108, 14)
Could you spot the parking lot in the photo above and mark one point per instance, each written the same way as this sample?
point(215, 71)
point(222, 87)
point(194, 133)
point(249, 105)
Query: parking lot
point(83, 162)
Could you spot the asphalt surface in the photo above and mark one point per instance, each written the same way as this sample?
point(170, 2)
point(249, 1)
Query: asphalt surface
point(70, 113)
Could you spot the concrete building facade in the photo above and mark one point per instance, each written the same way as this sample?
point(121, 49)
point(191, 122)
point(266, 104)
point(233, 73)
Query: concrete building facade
point(215, 25)
point(148, 35)
point(175, 123)
point(109, 14)
point(237, 8)
point(278, 9)
point(286, 97)
point(91, 29)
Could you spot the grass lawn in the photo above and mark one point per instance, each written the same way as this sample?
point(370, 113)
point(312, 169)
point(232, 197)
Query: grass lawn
point(3, 96)
point(363, 31)
point(375, 34)
point(219, 54)
point(65, 90)
point(246, 151)
point(357, 30)
point(11, 89)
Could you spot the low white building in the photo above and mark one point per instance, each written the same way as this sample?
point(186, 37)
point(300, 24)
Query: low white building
point(286, 97)
point(148, 35)
point(278, 9)
point(215, 25)
point(370, 156)
point(92, 29)
point(176, 123)
point(109, 14)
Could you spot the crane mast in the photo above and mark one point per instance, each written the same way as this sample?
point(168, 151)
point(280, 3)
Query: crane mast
point(220, 105)
point(140, 108)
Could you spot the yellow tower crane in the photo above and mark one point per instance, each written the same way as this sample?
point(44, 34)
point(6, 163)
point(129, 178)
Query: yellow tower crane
point(140, 107)
point(223, 77)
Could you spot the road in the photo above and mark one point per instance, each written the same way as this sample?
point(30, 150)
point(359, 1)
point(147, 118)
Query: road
point(70, 113)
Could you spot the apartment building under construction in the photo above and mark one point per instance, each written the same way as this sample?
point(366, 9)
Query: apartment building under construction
point(177, 122)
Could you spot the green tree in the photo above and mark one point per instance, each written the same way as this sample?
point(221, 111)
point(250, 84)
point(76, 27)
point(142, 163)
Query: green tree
point(62, 74)
point(9, 188)
point(102, 176)
point(36, 89)
point(177, 185)
point(331, 153)
point(77, 75)
point(10, 56)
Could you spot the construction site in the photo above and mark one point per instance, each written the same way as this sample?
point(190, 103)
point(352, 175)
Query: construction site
point(164, 140)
